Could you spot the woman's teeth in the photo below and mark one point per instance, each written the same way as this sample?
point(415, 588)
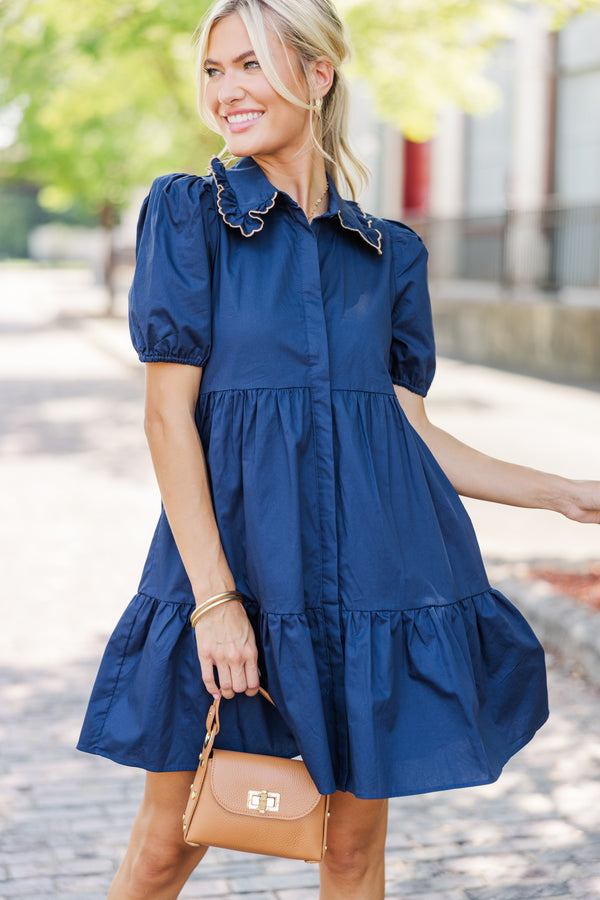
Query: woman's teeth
point(244, 117)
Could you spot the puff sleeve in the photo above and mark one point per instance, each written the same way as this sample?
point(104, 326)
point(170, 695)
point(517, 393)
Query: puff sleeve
point(412, 352)
point(170, 296)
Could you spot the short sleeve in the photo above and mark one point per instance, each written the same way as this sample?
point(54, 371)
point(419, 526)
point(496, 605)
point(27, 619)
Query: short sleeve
point(412, 353)
point(170, 296)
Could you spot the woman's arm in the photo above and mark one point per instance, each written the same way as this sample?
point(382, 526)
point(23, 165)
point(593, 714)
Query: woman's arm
point(473, 474)
point(224, 635)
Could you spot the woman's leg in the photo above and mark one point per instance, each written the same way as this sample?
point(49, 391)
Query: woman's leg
point(353, 867)
point(158, 862)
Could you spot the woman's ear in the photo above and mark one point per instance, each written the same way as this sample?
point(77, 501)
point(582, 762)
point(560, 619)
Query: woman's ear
point(322, 74)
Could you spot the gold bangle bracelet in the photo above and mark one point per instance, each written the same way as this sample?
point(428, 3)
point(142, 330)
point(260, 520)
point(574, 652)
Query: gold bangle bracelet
point(198, 613)
point(226, 595)
point(200, 610)
point(219, 596)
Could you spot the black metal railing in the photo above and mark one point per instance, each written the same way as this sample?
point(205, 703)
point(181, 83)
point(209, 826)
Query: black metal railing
point(547, 248)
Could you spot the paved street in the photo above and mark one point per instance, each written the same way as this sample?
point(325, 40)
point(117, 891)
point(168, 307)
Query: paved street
point(77, 508)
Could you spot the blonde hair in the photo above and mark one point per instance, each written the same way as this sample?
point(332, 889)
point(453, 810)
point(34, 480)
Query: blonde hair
point(312, 29)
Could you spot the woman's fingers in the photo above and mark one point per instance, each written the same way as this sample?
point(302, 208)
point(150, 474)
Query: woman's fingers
point(238, 678)
point(226, 642)
point(252, 678)
point(225, 681)
point(208, 675)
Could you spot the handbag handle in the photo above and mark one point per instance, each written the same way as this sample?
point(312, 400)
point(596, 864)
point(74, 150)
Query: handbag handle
point(212, 730)
point(212, 719)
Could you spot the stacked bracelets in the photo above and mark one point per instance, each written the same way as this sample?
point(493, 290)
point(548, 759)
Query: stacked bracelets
point(211, 603)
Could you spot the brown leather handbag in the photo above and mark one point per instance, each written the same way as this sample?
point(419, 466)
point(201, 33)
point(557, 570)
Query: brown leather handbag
point(254, 803)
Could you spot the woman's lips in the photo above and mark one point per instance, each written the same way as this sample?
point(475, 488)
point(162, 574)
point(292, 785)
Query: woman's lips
point(242, 121)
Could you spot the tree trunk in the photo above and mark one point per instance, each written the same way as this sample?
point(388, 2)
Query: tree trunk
point(108, 221)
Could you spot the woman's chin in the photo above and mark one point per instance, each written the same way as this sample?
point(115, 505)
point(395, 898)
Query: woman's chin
point(237, 146)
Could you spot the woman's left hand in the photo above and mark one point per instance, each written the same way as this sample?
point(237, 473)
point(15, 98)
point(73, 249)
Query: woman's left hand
point(483, 477)
point(582, 502)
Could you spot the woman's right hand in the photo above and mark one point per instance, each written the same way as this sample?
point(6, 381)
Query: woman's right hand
point(224, 635)
point(226, 641)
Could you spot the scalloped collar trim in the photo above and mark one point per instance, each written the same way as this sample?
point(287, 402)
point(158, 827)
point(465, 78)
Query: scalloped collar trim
point(245, 196)
point(353, 218)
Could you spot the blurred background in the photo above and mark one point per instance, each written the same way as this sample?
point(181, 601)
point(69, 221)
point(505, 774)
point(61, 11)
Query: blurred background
point(480, 122)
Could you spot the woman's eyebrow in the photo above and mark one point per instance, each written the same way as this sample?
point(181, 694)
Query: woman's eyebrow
point(213, 62)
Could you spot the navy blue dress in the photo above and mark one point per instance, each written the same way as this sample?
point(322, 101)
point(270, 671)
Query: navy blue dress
point(395, 667)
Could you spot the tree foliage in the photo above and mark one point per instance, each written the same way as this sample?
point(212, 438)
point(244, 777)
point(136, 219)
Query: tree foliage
point(105, 91)
point(420, 55)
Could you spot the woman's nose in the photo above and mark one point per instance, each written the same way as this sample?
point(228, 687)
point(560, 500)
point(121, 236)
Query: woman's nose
point(230, 88)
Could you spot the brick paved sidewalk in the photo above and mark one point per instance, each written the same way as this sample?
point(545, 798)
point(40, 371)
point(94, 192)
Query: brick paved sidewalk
point(535, 833)
point(77, 508)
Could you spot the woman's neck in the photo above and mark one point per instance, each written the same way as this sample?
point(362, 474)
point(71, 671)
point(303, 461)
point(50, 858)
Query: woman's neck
point(302, 178)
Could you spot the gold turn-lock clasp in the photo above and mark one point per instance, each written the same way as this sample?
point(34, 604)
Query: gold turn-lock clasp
point(263, 801)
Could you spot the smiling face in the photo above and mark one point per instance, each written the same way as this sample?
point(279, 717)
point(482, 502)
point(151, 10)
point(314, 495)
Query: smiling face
point(252, 117)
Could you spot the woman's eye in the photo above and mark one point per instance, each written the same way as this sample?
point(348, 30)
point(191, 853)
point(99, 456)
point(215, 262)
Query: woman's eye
point(251, 63)
point(210, 71)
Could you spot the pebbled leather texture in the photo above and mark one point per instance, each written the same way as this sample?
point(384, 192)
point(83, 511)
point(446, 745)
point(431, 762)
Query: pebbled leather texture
point(288, 778)
point(217, 812)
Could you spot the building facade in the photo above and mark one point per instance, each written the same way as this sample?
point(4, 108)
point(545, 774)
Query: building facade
point(513, 197)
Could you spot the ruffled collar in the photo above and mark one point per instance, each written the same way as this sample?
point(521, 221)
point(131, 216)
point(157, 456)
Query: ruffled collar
point(245, 196)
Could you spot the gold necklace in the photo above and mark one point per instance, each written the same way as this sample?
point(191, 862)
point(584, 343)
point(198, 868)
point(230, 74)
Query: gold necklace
point(316, 204)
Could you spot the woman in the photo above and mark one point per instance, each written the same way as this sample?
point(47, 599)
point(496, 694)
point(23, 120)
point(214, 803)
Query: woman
point(288, 347)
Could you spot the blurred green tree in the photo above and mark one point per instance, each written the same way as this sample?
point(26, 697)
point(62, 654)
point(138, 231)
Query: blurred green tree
point(420, 55)
point(104, 96)
point(103, 93)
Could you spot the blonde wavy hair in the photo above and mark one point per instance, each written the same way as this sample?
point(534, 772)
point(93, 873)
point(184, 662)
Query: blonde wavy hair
point(311, 29)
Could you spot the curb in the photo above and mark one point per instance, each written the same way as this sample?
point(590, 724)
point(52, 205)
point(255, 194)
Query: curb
point(563, 626)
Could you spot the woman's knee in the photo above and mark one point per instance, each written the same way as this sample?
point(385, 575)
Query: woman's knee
point(157, 864)
point(356, 836)
point(348, 862)
point(157, 856)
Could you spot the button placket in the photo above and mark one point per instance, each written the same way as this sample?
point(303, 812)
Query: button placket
point(321, 401)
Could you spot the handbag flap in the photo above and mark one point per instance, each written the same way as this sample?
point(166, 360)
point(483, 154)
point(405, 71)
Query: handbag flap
point(267, 787)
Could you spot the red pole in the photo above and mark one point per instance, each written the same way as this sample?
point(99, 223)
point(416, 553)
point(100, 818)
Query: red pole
point(417, 176)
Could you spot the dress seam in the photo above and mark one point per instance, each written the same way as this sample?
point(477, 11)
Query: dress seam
point(314, 430)
point(162, 600)
point(299, 387)
point(403, 382)
point(117, 678)
point(314, 447)
point(245, 390)
point(266, 612)
point(317, 494)
point(150, 356)
point(468, 597)
point(363, 391)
